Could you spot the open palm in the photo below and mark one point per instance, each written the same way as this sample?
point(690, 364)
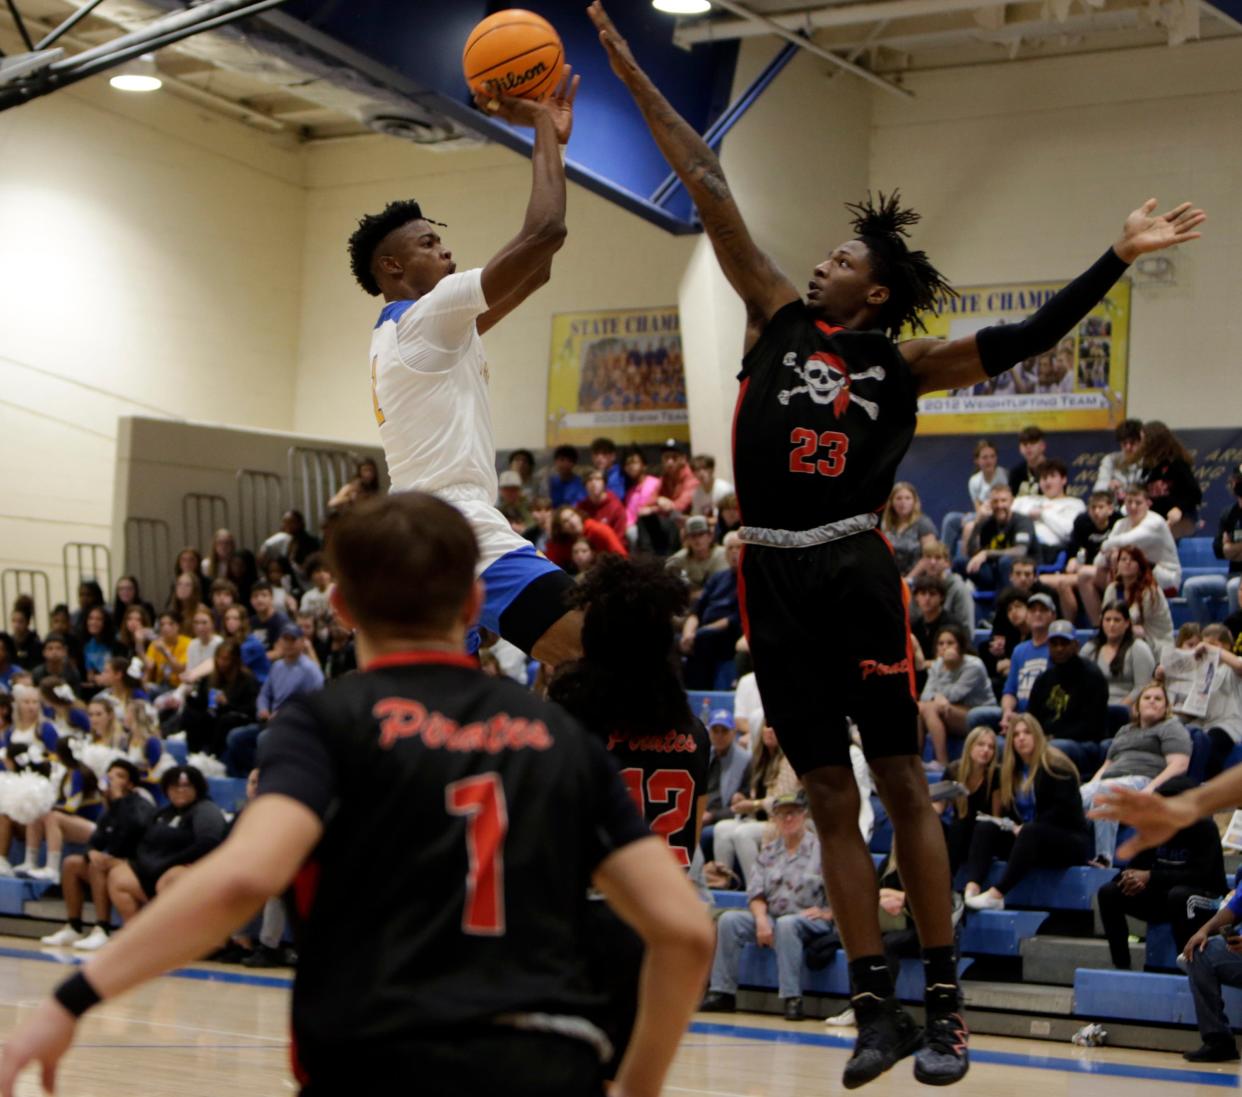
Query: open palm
point(1145, 230)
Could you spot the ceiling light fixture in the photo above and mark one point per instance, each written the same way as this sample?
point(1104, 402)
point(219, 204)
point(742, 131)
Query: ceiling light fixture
point(682, 7)
point(137, 75)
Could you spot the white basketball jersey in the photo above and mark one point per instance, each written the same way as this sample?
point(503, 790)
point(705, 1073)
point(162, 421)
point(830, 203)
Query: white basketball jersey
point(429, 390)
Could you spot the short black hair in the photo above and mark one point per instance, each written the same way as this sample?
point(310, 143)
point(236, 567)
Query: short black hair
point(603, 445)
point(193, 774)
point(913, 283)
point(565, 450)
point(1054, 464)
point(1030, 434)
point(1129, 430)
point(262, 584)
point(131, 770)
point(370, 233)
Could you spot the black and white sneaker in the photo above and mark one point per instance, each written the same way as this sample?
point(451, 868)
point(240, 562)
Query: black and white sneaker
point(886, 1033)
point(944, 1057)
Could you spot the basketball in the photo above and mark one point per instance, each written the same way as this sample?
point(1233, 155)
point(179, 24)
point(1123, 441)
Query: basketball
point(513, 52)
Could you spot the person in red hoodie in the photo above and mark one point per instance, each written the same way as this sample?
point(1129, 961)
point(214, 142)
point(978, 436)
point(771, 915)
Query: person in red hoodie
point(677, 482)
point(569, 526)
point(602, 505)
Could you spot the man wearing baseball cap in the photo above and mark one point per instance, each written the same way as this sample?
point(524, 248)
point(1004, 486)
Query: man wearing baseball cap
point(1028, 662)
point(698, 559)
point(728, 775)
point(1070, 700)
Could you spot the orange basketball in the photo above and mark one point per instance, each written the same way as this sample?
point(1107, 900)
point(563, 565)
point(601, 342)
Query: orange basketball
point(513, 52)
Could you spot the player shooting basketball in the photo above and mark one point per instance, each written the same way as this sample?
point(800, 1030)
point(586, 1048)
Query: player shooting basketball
point(826, 411)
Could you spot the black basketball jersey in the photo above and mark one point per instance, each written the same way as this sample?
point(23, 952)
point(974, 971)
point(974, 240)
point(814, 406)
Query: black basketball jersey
point(823, 419)
point(665, 772)
point(463, 818)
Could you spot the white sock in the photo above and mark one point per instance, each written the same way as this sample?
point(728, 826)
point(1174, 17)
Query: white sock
point(53, 861)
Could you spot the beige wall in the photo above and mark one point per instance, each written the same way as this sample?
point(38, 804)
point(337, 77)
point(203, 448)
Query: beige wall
point(149, 262)
point(1026, 171)
point(610, 260)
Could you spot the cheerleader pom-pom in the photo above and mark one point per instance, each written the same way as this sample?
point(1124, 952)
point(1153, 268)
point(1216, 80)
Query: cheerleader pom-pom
point(207, 764)
point(166, 762)
point(28, 797)
point(97, 757)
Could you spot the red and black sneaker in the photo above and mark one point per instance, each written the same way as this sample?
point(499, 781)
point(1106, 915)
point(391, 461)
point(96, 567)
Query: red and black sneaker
point(886, 1033)
point(944, 1057)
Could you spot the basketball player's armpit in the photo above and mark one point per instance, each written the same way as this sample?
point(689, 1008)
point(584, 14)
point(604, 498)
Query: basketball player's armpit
point(1003, 346)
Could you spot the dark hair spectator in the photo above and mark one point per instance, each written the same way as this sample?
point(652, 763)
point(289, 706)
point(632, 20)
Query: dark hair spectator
point(957, 681)
point(568, 525)
point(1128, 663)
point(978, 772)
point(223, 546)
point(128, 593)
point(27, 647)
point(186, 597)
point(1137, 591)
point(243, 571)
point(1168, 474)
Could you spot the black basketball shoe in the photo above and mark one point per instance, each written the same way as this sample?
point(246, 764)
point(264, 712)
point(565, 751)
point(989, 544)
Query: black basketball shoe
point(944, 1058)
point(886, 1033)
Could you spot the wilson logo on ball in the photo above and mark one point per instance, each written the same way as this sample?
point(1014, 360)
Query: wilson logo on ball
point(513, 52)
point(512, 81)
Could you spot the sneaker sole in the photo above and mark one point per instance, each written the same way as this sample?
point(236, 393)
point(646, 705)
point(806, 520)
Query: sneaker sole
point(908, 1048)
point(941, 1080)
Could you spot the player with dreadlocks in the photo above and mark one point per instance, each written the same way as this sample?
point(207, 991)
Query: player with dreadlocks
point(429, 374)
point(826, 412)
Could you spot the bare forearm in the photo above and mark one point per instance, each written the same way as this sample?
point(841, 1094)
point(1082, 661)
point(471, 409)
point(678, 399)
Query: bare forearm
point(1219, 793)
point(545, 212)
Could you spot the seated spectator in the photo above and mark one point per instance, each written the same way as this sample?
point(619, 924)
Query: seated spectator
point(677, 481)
point(127, 595)
point(253, 650)
point(1138, 593)
point(978, 772)
point(105, 728)
point(567, 526)
point(1024, 476)
point(293, 542)
point(31, 739)
point(122, 681)
point(143, 744)
point(604, 460)
point(73, 816)
point(286, 587)
point(225, 700)
point(698, 559)
point(728, 773)
point(1052, 510)
point(1199, 590)
point(728, 518)
point(1223, 720)
point(27, 647)
point(741, 835)
point(292, 673)
point(1127, 662)
point(200, 655)
point(959, 601)
point(216, 563)
point(342, 654)
point(189, 562)
point(364, 484)
point(1008, 631)
point(56, 662)
point(1070, 700)
point(602, 505)
point(711, 490)
point(8, 662)
point(641, 488)
point(1122, 469)
point(1023, 580)
point(998, 541)
point(315, 599)
point(90, 594)
point(787, 909)
point(905, 525)
point(62, 707)
point(714, 626)
point(185, 601)
point(166, 656)
point(135, 634)
point(511, 500)
point(114, 838)
point(59, 622)
point(98, 646)
point(929, 596)
point(956, 683)
point(188, 829)
point(957, 527)
point(540, 528)
point(582, 557)
point(1037, 817)
point(1140, 528)
point(1213, 961)
point(522, 461)
point(1155, 885)
point(1169, 476)
point(267, 618)
point(1028, 662)
point(565, 487)
point(1143, 755)
point(1091, 530)
point(243, 574)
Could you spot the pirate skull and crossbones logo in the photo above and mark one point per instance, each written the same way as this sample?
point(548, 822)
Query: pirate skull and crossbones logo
point(827, 380)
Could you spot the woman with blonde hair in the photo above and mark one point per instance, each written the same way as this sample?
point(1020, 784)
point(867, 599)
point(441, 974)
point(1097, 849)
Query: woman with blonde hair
point(1037, 818)
point(978, 772)
point(907, 528)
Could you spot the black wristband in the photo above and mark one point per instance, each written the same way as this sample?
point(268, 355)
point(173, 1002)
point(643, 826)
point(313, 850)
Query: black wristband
point(76, 994)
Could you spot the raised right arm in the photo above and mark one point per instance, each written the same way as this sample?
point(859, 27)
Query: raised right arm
point(762, 286)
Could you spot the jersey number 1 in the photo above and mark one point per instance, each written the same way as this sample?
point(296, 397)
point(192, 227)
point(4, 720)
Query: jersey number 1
point(663, 786)
point(807, 444)
point(482, 801)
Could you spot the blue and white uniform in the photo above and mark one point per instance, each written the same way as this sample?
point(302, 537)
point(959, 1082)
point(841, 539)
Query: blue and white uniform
point(429, 393)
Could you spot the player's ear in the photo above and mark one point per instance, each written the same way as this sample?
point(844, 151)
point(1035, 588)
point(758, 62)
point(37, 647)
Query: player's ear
point(390, 265)
point(474, 604)
point(877, 295)
point(337, 602)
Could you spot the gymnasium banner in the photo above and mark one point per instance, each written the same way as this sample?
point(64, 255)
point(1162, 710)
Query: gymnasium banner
point(1078, 385)
point(617, 373)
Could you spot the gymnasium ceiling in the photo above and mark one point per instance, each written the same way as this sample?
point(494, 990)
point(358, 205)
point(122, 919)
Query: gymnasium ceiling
point(330, 70)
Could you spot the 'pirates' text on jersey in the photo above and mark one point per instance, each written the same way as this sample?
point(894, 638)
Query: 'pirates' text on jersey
point(823, 419)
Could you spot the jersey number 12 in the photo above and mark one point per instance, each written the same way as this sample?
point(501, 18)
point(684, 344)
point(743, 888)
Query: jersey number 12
point(481, 800)
point(665, 786)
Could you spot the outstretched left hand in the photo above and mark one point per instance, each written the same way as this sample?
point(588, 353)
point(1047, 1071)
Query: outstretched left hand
point(1146, 231)
point(44, 1038)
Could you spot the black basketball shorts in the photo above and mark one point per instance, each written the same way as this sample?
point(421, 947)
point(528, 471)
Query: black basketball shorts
point(829, 635)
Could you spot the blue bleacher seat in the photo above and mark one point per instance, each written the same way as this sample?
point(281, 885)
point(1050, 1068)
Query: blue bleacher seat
point(15, 893)
point(229, 793)
point(998, 932)
point(706, 701)
point(882, 832)
point(1161, 951)
point(1196, 552)
point(757, 968)
point(1052, 888)
point(178, 749)
point(1056, 566)
point(1141, 996)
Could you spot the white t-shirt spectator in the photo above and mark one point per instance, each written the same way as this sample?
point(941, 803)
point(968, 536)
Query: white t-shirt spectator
point(1152, 535)
point(1054, 518)
point(748, 706)
point(980, 489)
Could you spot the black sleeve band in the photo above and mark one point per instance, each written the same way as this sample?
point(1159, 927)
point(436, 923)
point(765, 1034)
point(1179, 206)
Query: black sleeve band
point(1003, 346)
point(76, 994)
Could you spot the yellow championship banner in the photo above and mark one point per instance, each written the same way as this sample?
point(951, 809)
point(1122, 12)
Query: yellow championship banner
point(618, 373)
point(1078, 385)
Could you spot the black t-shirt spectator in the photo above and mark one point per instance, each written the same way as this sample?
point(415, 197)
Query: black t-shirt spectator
point(1191, 858)
point(177, 837)
point(28, 652)
point(1020, 477)
point(122, 825)
point(1070, 700)
point(1087, 538)
point(991, 535)
point(924, 633)
point(1173, 484)
point(1230, 526)
point(270, 628)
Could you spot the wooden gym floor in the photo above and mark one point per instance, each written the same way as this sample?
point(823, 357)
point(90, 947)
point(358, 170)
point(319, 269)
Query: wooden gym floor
point(212, 1030)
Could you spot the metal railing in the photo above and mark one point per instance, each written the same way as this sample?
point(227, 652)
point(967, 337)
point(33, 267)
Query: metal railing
point(201, 515)
point(86, 560)
point(315, 475)
point(14, 582)
point(148, 555)
point(260, 503)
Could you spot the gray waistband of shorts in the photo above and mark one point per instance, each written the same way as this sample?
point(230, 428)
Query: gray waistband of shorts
point(575, 1028)
point(806, 538)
